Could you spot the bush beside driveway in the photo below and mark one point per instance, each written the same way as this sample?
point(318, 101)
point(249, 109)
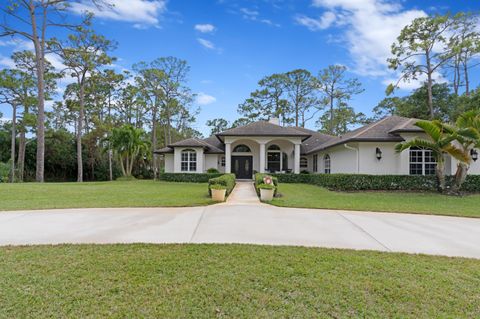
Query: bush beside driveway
point(311, 196)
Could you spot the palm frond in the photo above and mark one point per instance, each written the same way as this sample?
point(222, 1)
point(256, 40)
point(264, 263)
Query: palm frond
point(457, 153)
point(416, 142)
point(431, 129)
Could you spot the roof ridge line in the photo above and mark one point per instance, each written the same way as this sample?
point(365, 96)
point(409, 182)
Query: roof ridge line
point(368, 128)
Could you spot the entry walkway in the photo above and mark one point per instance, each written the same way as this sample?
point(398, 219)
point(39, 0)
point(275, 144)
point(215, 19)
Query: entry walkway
point(243, 194)
point(244, 220)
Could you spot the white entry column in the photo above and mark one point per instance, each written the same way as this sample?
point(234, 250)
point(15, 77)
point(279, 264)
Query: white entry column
point(228, 158)
point(296, 162)
point(262, 157)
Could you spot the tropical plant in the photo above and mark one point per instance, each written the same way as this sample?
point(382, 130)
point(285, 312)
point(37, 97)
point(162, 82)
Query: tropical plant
point(440, 142)
point(466, 133)
point(128, 143)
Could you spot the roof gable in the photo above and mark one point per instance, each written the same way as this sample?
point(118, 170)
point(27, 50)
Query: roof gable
point(385, 129)
point(263, 128)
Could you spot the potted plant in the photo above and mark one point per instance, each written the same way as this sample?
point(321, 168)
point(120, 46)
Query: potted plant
point(266, 192)
point(218, 192)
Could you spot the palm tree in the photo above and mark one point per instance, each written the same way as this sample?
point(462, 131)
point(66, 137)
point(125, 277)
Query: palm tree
point(467, 137)
point(440, 142)
point(128, 142)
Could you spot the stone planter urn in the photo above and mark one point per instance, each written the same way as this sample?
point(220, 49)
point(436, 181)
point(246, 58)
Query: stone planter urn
point(218, 195)
point(266, 195)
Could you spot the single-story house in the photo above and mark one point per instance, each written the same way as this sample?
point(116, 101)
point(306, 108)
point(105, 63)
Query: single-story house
point(265, 146)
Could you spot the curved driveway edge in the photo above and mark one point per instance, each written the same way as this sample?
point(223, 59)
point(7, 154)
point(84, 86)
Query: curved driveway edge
point(249, 224)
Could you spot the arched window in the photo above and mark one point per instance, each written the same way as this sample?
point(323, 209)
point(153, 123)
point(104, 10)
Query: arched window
point(274, 147)
point(326, 164)
point(242, 148)
point(189, 161)
point(422, 161)
point(274, 158)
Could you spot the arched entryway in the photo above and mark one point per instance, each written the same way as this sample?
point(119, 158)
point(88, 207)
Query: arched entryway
point(242, 161)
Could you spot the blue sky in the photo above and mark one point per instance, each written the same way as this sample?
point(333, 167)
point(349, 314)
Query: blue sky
point(231, 44)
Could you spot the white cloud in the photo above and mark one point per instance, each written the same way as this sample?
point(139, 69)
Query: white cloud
point(206, 44)
point(205, 99)
point(414, 84)
point(143, 13)
point(323, 22)
point(254, 15)
point(17, 43)
point(205, 28)
point(371, 26)
point(6, 62)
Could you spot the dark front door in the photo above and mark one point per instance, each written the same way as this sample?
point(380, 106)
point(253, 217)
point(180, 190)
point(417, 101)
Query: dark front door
point(242, 166)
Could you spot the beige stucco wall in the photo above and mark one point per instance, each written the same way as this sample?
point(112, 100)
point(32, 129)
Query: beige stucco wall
point(211, 161)
point(169, 163)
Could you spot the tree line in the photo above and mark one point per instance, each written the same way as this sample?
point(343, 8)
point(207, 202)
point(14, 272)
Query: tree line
point(154, 97)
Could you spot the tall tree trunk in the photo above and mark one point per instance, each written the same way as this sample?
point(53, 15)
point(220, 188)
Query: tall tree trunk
point(110, 173)
point(460, 176)
point(154, 143)
point(467, 80)
point(429, 87)
point(331, 115)
point(79, 135)
point(456, 75)
point(14, 136)
point(440, 172)
point(40, 69)
point(21, 155)
point(122, 165)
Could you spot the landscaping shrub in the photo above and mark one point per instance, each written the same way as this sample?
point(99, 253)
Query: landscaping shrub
point(360, 182)
point(213, 171)
point(187, 177)
point(259, 181)
point(226, 180)
point(4, 172)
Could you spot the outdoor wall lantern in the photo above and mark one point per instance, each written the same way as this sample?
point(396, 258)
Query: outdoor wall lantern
point(474, 155)
point(378, 152)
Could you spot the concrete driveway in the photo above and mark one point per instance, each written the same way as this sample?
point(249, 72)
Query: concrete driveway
point(244, 220)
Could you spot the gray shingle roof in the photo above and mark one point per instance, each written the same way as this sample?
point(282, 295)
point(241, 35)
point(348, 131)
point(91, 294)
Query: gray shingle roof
point(316, 139)
point(209, 144)
point(382, 130)
point(386, 129)
point(263, 128)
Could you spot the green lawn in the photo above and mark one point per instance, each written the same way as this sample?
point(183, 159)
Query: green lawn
point(232, 281)
point(102, 194)
point(310, 196)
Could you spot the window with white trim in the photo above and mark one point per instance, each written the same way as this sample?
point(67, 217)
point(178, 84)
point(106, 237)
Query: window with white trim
point(222, 161)
point(189, 161)
point(327, 164)
point(303, 162)
point(315, 163)
point(422, 161)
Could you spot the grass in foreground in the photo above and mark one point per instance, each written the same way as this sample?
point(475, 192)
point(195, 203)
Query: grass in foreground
point(102, 194)
point(234, 281)
point(310, 196)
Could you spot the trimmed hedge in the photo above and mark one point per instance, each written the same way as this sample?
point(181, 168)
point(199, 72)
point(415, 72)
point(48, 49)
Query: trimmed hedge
point(358, 182)
point(259, 180)
point(226, 180)
point(187, 177)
